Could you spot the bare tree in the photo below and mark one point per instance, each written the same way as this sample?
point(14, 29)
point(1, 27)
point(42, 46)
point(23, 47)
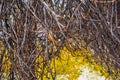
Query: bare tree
point(52, 24)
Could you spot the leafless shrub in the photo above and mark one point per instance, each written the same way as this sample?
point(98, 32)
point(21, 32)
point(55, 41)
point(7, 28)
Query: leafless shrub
point(53, 24)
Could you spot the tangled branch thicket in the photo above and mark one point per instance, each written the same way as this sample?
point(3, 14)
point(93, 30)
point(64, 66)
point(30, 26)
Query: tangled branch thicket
point(40, 28)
